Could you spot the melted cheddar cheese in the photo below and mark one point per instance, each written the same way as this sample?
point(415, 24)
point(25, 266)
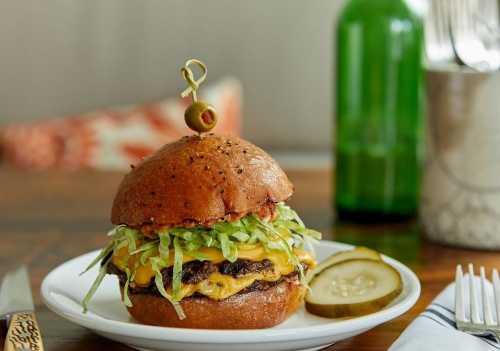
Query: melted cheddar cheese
point(218, 286)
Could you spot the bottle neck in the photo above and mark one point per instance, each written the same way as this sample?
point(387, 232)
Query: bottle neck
point(380, 6)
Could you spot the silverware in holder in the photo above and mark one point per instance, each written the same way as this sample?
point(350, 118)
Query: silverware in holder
point(460, 200)
point(463, 32)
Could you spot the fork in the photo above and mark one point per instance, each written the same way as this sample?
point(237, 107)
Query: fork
point(438, 45)
point(474, 33)
point(480, 323)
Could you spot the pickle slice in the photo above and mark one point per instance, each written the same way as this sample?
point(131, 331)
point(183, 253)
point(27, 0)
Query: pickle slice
point(359, 252)
point(353, 288)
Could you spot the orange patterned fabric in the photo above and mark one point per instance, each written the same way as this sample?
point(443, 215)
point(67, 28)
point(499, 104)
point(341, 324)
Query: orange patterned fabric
point(114, 138)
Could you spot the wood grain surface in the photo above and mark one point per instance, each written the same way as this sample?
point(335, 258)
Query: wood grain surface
point(48, 217)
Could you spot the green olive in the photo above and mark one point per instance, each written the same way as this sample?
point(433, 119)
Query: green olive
point(200, 117)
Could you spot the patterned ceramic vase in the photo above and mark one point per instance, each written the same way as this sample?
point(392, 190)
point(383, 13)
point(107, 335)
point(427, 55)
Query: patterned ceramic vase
point(461, 185)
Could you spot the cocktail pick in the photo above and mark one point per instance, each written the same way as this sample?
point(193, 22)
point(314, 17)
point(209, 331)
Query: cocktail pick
point(199, 116)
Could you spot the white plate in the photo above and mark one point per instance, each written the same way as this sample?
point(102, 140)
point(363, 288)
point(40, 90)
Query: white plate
point(63, 289)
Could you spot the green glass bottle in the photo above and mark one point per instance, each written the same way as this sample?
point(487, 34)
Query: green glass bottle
point(379, 87)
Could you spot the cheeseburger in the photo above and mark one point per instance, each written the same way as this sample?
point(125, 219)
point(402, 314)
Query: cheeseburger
point(203, 238)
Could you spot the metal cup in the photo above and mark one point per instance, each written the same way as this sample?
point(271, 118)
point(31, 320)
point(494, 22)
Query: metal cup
point(460, 202)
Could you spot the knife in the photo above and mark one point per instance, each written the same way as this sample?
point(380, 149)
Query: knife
point(17, 309)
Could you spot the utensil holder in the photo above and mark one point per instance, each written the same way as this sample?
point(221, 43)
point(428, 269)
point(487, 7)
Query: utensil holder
point(460, 202)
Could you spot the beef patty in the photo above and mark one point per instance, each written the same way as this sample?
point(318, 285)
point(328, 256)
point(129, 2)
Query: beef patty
point(196, 271)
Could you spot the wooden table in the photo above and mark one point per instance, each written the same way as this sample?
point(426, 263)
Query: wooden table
point(49, 217)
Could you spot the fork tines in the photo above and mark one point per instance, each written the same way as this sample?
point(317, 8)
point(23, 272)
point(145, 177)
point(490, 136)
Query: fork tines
point(480, 314)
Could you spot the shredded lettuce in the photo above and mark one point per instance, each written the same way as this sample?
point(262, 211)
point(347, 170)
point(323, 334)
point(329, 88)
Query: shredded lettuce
point(177, 270)
point(229, 250)
point(164, 246)
point(284, 233)
point(95, 285)
point(132, 236)
point(160, 285)
point(102, 255)
point(240, 236)
point(126, 299)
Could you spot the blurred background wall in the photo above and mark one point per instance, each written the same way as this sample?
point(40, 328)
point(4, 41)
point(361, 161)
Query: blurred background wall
point(70, 56)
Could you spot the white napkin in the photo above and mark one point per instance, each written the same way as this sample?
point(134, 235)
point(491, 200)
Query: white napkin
point(435, 330)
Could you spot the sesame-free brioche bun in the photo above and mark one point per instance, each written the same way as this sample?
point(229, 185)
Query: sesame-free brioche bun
point(252, 310)
point(200, 180)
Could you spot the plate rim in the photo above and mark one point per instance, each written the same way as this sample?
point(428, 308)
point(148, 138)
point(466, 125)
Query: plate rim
point(237, 336)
